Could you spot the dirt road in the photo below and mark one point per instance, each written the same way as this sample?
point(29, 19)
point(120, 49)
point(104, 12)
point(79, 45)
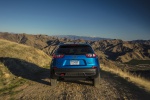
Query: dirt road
point(111, 87)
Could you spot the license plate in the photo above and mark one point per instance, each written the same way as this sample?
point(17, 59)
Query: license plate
point(74, 62)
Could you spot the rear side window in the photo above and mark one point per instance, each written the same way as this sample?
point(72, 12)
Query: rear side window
point(74, 49)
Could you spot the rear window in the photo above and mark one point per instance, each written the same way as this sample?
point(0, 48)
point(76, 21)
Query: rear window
point(74, 49)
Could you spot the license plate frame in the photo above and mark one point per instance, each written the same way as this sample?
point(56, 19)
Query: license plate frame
point(74, 62)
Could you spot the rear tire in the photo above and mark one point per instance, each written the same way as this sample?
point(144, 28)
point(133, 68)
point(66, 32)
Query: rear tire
point(53, 82)
point(96, 81)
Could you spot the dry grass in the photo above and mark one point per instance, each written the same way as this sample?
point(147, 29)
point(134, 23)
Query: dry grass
point(8, 81)
point(27, 53)
point(4, 75)
point(138, 80)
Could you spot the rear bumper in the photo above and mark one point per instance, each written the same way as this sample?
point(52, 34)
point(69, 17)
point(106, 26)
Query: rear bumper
point(74, 73)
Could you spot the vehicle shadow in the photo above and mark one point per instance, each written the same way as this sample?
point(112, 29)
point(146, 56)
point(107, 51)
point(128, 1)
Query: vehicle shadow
point(78, 81)
point(27, 70)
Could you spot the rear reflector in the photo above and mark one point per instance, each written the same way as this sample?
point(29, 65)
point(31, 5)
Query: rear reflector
point(94, 67)
point(58, 56)
point(91, 55)
point(54, 68)
point(62, 74)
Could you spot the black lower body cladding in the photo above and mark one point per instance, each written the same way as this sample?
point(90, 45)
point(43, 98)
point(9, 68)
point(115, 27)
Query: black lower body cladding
point(74, 73)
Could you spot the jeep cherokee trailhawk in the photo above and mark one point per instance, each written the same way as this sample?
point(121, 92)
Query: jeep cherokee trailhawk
point(75, 60)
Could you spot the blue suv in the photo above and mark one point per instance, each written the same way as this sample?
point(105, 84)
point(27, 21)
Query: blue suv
point(75, 60)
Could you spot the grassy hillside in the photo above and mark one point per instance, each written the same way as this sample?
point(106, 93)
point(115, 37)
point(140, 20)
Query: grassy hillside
point(27, 53)
point(136, 79)
point(18, 64)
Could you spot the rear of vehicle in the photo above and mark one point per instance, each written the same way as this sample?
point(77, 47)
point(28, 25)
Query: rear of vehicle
point(75, 61)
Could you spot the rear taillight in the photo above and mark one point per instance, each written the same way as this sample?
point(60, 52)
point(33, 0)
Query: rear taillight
point(58, 56)
point(91, 55)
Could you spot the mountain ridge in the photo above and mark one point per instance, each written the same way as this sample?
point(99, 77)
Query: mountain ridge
point(111, 49)
point(81, 37)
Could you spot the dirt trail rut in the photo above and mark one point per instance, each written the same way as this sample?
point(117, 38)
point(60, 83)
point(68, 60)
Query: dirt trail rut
point(111, 87)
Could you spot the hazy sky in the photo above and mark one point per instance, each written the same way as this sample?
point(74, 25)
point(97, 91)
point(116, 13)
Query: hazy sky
point(118, 19)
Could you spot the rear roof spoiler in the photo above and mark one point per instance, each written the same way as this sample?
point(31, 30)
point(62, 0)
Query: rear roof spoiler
point(73, 43)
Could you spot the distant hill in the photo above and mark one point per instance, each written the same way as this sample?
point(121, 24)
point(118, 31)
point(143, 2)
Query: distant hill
point(141, 41)
point(123, 51)
point(42, 42)
point(81, 37)
point(109, 49)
